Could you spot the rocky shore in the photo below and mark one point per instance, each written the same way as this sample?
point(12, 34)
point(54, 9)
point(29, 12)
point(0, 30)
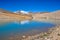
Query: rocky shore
point(52, 34)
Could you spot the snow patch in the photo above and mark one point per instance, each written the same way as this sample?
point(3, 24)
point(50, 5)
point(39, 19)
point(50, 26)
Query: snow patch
point(21, 11)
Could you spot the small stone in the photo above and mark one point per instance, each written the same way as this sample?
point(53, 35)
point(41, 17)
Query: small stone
point(24, 36)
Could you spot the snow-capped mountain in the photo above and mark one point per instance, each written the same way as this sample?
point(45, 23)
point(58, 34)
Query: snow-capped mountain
point(21, 11)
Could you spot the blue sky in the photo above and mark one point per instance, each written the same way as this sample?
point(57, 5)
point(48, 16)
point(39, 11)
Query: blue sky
point(30, 5)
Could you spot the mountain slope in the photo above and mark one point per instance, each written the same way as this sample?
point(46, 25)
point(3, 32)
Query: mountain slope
point(6, 16)
point(53, 17)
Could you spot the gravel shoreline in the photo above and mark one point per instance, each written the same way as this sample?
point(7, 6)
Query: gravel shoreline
point(52, 34)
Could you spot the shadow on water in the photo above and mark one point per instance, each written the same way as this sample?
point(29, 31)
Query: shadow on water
point(23, 28)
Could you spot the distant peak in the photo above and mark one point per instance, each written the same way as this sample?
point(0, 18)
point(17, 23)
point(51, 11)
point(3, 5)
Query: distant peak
point(21, 11)
point(57, 11)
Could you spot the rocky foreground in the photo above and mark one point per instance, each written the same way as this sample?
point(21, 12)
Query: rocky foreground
point(52, 34)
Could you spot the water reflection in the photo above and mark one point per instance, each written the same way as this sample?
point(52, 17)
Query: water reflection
point(22, 22)
point(28, 28)
point(26, 21)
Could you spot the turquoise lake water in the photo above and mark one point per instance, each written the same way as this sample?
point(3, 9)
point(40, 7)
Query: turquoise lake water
point(32, 27)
